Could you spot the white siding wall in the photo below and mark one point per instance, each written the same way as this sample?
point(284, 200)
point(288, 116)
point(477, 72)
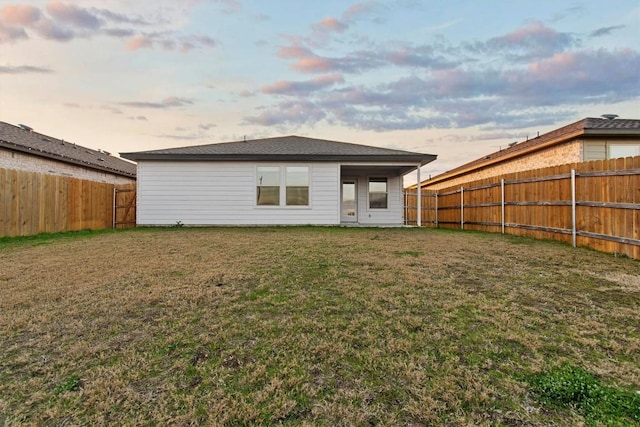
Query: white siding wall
point(224, 193)
point(390, 216)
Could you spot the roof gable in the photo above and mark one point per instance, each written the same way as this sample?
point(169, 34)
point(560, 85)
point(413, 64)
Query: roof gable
point(25, 140)
point(282, 148)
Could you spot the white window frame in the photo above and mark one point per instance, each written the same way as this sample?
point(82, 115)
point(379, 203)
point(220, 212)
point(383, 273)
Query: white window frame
point(283, 186)
point(369, 178)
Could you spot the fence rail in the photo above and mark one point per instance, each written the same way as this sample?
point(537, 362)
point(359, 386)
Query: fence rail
point(33, 203)
point(594, 204)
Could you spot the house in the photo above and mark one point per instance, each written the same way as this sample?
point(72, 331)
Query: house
point(273, 181)
point(584, 140)
point(24, 149)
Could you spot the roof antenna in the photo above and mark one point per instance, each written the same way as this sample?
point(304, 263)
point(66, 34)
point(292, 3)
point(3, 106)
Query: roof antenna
point(245, 138)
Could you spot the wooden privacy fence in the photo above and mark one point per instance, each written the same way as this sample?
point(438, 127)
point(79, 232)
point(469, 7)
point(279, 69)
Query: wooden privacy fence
point(33, 203)
point(594, 204)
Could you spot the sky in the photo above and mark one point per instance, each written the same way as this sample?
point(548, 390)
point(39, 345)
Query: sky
point(457, 78)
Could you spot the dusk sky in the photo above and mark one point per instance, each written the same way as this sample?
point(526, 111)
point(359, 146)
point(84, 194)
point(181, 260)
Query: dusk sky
point(459, 79)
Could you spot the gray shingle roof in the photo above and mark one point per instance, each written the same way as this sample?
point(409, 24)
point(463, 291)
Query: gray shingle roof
point(283, 148)
point(27, 141)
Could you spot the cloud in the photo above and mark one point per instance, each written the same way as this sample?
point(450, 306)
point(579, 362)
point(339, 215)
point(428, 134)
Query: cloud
point(284, 87)
point(170, 102)
point(11, 34)
point(112, 109)
point(491, 93)
point(139, 118)
point(605, 31)
point(322, 29)
point(62, 22)
point(358, 9)
point(24, 69)
point(19, 15)
point(118, 18)
point(182, 43)
point(119, 32)
point(330, 24)
point(73, 15)
point(534, 40)
point(422, 56)
point(206, 126)
point(138, 42)
point(298, 112)
point(49, 30)
point(532, 75)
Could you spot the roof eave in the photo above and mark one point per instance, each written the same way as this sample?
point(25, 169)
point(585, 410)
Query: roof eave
point(517, 153)
point(610, 132)
point(410, 159)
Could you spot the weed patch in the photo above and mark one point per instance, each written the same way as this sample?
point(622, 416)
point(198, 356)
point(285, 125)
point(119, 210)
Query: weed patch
point(573, 387)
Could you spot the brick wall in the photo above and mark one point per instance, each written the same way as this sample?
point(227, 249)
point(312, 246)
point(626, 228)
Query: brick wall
point(25, 162)
point(569, 152)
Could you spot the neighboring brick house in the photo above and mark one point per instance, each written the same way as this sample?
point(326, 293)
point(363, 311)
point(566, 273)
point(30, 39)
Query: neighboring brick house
point(585, 140)
point(22, 148)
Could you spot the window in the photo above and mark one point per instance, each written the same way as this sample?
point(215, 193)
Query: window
point(290, 188)
point(622, 150)
point(377, 193)
point(268, 185)
point(297, 181)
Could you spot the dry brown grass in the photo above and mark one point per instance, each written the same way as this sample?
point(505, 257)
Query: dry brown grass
point(305, 326)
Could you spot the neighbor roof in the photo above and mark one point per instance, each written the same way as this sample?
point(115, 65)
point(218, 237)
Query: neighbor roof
point(293, 148)
point(589, 127)
point(25, 140)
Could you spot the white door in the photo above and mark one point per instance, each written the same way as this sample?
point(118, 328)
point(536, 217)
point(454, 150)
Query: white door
point(349, 201)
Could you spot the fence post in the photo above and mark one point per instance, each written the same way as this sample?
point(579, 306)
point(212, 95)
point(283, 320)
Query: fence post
point(573, 207)
point(462, 208)
point(419, 200)
point(437, 226)
point(502, 203)
point(115, 193)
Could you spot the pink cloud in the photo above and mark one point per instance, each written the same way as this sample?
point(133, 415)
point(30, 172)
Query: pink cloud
point(330, 24)
point(358, 9)
point(138, 42)
point(560, 63)
point(534, 30)
point(294, 52)
point(19, 14)
point(285, 87)
point(313, 65)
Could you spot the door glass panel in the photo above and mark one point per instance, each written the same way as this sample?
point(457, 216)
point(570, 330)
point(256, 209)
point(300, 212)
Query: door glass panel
point(349, 201)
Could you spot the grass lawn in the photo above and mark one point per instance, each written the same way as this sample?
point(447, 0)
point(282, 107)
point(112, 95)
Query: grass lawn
point(315, 326)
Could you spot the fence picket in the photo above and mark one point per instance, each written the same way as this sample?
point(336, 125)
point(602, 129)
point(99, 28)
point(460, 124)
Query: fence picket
point(32, 203)
point(538, 204)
